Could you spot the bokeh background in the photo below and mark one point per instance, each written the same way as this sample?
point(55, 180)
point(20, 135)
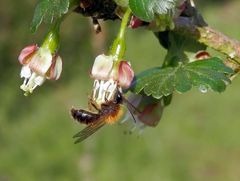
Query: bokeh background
point(197, 139)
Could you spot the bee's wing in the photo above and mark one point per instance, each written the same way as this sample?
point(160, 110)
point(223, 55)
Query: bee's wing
point(88, 131)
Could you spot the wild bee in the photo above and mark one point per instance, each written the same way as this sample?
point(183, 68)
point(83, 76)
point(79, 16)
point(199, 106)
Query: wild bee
point(142, 109)
point(109, 113)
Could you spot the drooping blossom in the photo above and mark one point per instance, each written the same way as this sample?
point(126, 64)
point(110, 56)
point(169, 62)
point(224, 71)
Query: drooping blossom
point(38, 64)
point(144, 111)
point(110, 76)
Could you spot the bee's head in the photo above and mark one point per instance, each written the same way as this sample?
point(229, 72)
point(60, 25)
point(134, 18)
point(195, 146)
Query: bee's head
point(119, 98)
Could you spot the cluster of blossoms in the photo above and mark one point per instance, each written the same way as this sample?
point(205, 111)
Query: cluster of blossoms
point(111, 73)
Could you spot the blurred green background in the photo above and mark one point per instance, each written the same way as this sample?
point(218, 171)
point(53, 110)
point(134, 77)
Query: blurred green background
point(197, 139)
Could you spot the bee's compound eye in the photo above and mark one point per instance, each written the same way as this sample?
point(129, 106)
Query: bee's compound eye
point(119, 98)
point(74, 113)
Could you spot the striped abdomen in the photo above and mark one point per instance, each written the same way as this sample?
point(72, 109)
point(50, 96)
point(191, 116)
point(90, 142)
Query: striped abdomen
point(84, 117)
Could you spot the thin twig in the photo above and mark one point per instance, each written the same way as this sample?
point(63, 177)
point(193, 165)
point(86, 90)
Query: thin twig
point(210, 37)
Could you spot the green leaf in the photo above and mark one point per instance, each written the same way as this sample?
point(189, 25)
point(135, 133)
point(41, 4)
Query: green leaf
point(147, 9)
point(181, 49)
point(123, 3)
point(204, 74)
point(47, 11)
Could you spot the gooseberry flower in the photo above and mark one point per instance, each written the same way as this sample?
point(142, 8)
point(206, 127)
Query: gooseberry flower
point(145, 110)
point(38, 64)
point(110, 76)
point(106, 68)
point(111, 72)
point(41, 63)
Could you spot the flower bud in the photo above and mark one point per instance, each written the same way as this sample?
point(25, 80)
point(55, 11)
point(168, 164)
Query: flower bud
point(135, 22)
point(201, 55)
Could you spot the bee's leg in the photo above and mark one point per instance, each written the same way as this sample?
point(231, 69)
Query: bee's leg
point(95, 105)
point(105, 99)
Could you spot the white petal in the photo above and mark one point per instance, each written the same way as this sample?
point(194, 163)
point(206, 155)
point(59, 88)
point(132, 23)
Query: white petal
point(25, 72)
point(41, 61)
point(102, 67)
point(39, 80)
point(30, 84)
point(58, 68)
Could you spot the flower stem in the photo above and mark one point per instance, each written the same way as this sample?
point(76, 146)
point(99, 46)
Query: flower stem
point(119, 46)
point(51, 41)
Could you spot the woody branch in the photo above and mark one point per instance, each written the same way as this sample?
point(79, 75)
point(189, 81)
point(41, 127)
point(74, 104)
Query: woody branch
point(210, 37)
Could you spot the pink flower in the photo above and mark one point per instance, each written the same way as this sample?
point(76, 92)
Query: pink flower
point(135, 22)
point(106, 68)
point(38, 64)
point(110, 76)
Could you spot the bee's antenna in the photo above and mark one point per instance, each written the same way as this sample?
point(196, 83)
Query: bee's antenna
point(135, 121)
point(131, 108)
point(131, 105)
